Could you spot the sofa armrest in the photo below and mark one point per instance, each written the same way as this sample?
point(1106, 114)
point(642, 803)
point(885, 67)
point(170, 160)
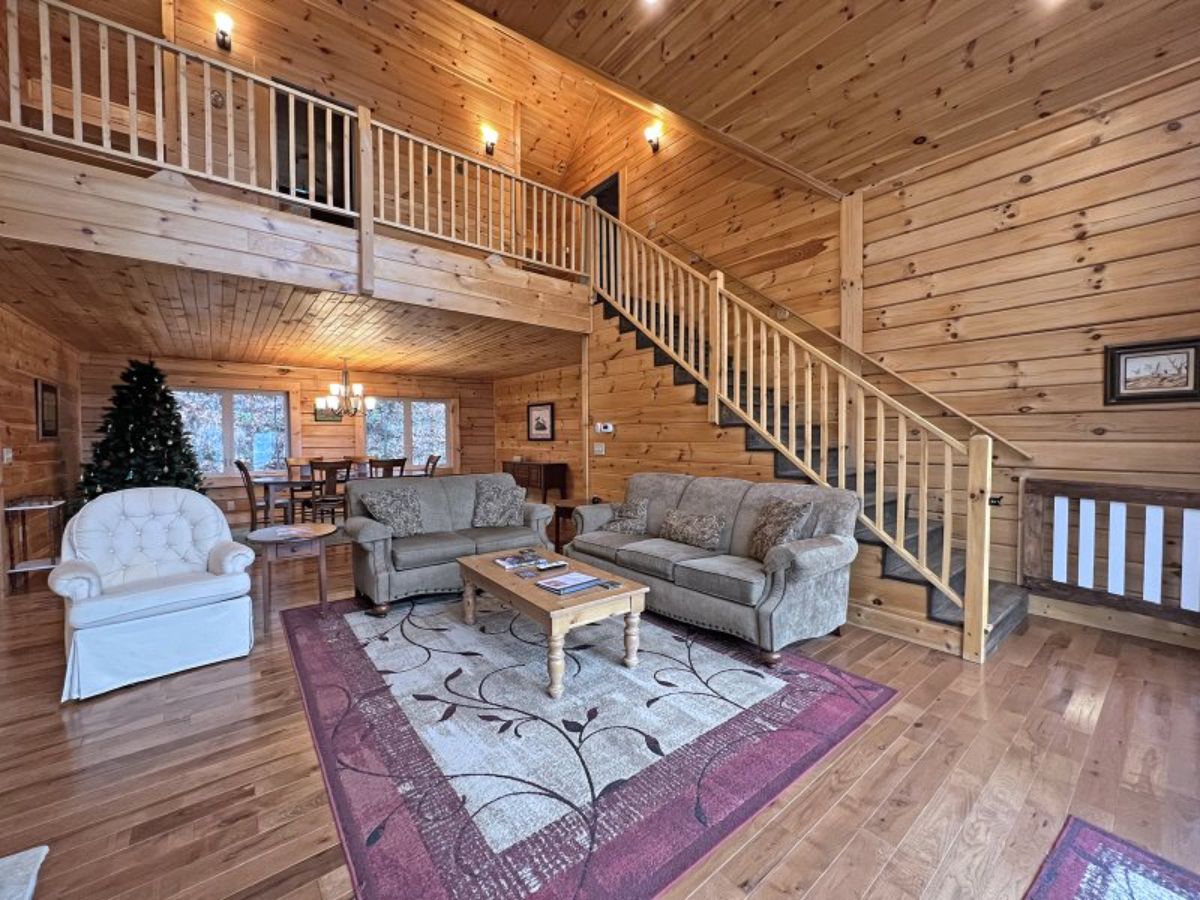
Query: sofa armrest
point(536, 515)
point(229, 558)
point(76, 580)
point(812, 557)
point(591, 517)
point(365, 531)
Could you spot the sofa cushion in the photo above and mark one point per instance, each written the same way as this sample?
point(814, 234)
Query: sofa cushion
point(695, 529)
point(604, 544)
point(733, 578)
point(715, 496)
point(658, 556)
point(421, 550)
point(156, 596)
point(628, 518)
point(497, 504)
point(399, 509)
point(780, 522)
point(662, 490)
point(502, 537)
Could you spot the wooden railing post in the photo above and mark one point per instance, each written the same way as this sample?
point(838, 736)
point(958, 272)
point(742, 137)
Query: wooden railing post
point(716, 353)
point(592, 221)
point(979, 540)
point(366, 203)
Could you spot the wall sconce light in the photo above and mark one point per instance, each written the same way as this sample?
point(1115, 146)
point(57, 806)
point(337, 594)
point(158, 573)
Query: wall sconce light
point(224, 31)
point(653, 135)
point(490, 136)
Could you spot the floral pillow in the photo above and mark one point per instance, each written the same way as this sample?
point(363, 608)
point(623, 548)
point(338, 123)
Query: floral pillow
point(780, 522)
point(399, 509)
point(497, 504)
point(695, 529)
point(628, 518)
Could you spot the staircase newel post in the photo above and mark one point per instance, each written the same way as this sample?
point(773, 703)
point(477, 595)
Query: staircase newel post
point(979, 542)
point(716, 348)
point(366, 203)
point(593, 243)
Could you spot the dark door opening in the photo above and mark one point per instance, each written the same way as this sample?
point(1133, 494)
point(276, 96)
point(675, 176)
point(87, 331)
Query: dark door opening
point(294, 160)
point(608, 199)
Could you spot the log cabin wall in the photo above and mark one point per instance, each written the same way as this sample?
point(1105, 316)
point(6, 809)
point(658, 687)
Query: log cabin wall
point(774, 235)
point(50, 466)
point(560, 386)
point(996, 278)
point(473, 434)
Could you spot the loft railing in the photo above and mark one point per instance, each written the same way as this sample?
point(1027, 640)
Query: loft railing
point(78, 79)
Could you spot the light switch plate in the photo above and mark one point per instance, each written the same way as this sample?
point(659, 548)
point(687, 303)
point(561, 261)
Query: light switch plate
point(8, 456)
point(597, 449)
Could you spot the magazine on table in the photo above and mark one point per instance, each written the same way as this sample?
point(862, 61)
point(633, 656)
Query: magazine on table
point(569, 583)
point(522, 559)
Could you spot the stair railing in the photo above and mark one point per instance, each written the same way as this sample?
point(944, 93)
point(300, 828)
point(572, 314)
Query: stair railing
point(827, 419)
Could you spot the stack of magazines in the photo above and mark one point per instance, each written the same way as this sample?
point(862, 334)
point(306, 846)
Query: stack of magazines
point(569, 583)
point(520, 560)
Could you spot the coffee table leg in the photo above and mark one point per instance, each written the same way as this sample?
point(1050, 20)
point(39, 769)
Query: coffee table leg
point(556, 665)
point(469, 593)
point(632, 622)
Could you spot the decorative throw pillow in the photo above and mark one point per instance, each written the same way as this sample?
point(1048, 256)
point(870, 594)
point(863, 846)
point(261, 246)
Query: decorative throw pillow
point(780, 522)
point(628, 518)
point(497, 504)
point(400, 509)
point(695, 529)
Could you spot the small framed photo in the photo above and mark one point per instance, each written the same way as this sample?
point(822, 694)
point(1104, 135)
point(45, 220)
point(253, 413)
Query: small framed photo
point(1158, 372)
point(46, 400)
point(541, 421)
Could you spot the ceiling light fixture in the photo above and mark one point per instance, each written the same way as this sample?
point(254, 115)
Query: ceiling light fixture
point(344, 399)
point(653, 135)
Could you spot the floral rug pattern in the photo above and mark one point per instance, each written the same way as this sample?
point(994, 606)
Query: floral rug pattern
point(1088, 863)
point(452, 773)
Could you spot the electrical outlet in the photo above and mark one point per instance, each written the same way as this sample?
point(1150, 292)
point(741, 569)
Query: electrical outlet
point(230, 506)
point(8, 457)
point(597, 449)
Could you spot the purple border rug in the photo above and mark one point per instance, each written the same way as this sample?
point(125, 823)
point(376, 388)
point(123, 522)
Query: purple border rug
point(1089, 863)
point(452, 774)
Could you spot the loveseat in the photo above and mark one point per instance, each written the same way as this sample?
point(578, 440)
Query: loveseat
point(153, 584)
point(388, 568)
point(799, 590)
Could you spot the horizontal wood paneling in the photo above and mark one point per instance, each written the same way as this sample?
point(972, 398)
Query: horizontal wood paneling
point(472, 398)
point(560, 386)
point(997, 282)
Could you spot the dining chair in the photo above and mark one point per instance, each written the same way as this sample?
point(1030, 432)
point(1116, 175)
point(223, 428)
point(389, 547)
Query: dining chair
point(257, 505)
point(388, 468)
point(360, 466)
point(329, 489)
point(300, 469)
point(431, 465)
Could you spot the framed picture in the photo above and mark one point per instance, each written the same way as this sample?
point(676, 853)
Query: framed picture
point(325, 415)
point(1152, 373)
point(46, 400)
point(540, 417)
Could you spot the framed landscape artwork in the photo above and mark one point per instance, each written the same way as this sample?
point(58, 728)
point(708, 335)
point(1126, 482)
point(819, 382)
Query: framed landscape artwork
point(46, 399)
point(1152, 373)
point(541, 421)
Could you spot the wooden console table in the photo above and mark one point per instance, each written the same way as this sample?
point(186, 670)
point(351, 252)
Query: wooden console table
point(533, 475)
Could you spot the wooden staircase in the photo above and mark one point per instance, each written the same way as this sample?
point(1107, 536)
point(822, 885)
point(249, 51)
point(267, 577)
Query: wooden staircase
point(887, 593)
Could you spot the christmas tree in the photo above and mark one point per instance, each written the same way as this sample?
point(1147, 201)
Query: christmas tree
point(142, 442)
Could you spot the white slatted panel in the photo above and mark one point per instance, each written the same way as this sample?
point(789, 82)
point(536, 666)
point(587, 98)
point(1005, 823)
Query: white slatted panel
point(1116, 548)
point(1190, 588)
point(1153, 560)
point(1085, 573)
point(1062, 527)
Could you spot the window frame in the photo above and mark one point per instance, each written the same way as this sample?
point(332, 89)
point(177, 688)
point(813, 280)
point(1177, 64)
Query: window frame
point(448, 460)
point(229, 438)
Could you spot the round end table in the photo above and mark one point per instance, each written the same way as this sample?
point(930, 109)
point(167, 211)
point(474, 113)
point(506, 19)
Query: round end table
point(283, 542)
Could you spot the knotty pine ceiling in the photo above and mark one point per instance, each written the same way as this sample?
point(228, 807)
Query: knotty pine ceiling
point(114, 305)
point(855, 92)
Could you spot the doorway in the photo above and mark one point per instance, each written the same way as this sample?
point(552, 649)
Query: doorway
point(608, 199)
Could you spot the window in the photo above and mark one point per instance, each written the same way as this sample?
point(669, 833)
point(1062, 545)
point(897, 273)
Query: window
point(414, 429)
point(226, 425)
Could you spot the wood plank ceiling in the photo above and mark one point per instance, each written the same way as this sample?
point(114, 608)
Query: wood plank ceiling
point(114, 305)
point(855, 92)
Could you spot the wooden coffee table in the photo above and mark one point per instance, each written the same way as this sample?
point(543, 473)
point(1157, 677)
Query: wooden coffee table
point(557, 615)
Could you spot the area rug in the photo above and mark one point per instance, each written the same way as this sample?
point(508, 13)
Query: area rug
point(1088, 863)
point(452, 773)
point(18, 873)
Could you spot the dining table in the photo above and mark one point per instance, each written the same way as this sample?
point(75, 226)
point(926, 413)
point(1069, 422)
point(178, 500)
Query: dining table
point(275, 485)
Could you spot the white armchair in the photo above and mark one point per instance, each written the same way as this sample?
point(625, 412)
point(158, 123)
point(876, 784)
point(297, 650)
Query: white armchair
point(153, 585)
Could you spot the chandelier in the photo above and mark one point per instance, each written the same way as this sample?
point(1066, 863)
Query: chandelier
point(344, 398)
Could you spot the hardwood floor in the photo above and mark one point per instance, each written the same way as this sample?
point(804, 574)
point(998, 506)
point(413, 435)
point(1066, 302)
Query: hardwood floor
point(205, 784)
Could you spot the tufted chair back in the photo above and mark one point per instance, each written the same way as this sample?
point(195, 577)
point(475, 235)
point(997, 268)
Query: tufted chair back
point(145, 533)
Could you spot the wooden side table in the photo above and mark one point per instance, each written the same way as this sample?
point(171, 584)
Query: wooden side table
point(564, 509)
point(284, 542)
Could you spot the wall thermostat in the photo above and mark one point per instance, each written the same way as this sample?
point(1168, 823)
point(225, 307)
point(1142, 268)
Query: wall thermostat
point(604, 428)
